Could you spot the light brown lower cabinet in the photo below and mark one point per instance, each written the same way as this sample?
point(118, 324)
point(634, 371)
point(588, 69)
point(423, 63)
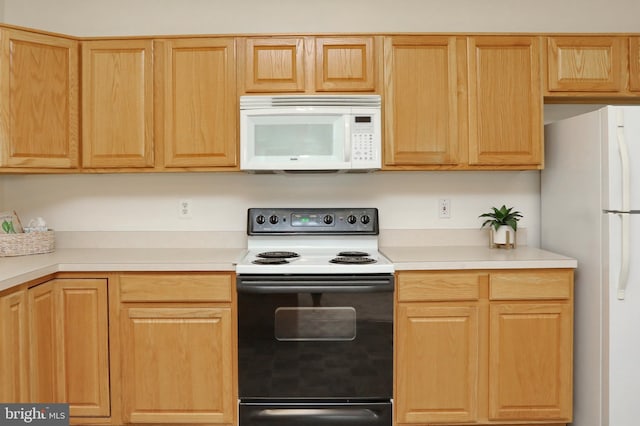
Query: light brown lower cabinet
point(68, 345)
point(484, 347)
point(125, 348)
point(14, 367)
point(177, 345)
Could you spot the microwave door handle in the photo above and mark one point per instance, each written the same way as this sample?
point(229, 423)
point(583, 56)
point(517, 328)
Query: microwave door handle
point(347, 139)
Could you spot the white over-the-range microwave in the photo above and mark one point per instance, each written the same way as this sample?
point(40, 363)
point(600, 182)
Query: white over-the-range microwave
point(310, 133)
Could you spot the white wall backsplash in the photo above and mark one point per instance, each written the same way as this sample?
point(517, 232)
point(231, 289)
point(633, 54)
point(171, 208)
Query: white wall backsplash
point(149, 202)
point(143, 17)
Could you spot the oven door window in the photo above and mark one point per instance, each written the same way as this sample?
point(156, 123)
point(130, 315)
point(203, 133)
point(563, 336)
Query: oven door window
point(315, 324)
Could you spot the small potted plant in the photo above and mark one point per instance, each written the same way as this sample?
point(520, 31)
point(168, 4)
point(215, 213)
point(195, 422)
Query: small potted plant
point(501, 221)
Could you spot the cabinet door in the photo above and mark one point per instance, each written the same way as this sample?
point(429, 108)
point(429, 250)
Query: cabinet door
point(83, 358)
point(14, 355)
point(634, 65)
point(530, 361)
point(421, 101)
point(345, 64)
point(505, 101)
point(69, 345)
point(177, 364)
point(586, 64)
point(43, 344)
point(436, 363)
point(117, 103)
point(196, 94)
point(273, 64)
point(38, 100)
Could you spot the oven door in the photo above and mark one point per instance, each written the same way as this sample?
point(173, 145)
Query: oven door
point(315, 337)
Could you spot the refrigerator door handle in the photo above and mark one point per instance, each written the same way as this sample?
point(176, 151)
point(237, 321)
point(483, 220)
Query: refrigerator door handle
point(624, 263)
point(624, 160)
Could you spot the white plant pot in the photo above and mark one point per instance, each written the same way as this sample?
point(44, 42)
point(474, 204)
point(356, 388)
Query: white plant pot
point(503, 235)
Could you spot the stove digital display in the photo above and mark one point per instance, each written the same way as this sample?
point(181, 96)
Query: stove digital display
point(310, 219)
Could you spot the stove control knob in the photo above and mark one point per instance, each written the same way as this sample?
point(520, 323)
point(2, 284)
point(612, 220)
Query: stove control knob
point(365, 219)
point(352, 219)
point(260, 219)
point(273, 219)
point(328, 219)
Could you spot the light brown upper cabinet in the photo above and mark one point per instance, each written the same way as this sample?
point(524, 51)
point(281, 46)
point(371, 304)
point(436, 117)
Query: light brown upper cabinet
point(38, 100)
point(586, 65)
point(634, 64)
point(505, 102)
point(197, 108)
point(463, 102)
point(308, 64)
point(117, 104)
point(423, 108)
point(345, 64)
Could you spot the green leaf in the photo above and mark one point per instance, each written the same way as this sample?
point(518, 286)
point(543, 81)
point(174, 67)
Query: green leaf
point(7, 227)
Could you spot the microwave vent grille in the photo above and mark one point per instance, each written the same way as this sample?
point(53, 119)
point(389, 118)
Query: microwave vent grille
point(355, 101)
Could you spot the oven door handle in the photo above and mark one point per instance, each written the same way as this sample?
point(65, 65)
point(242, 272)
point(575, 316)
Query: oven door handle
point(300, 415)
point(347, 286)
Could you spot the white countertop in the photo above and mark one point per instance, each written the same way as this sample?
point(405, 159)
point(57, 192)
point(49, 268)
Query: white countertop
point(474, 257)
point(17, 270)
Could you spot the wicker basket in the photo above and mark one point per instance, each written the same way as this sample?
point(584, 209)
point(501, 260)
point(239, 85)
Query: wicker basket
point(26, 243)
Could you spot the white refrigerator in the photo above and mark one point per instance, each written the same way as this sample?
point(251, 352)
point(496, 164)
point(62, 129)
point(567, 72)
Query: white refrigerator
point(590, 210)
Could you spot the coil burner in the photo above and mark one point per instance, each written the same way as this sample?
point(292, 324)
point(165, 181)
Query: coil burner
point(278, 254)
point(352, 260)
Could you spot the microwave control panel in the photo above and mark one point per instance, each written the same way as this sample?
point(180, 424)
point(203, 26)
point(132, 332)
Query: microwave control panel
point(364, 146)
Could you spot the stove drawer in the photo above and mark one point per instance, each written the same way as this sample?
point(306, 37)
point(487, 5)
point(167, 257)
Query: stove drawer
point(176, 287)
point(316, 414)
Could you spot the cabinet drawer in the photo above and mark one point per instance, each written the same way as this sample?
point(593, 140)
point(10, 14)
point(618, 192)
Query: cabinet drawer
point(543, 284)
point(191, 287)
point(430, 286)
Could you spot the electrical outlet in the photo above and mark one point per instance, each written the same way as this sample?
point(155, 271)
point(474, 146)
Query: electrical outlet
point(444, 208)
point(184, 209)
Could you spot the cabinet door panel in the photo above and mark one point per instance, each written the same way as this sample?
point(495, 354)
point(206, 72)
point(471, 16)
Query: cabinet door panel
point(634, 65)
point(84, 361)
point(421, 101)
point(530, 361)
point(586, 64)
point(43, 344)
point(274, 65)
point(505, 101)
point(345, 64)
point(68, 325)
point(167, 379)
point(14, 355)
point(38, 100)
point(198, 118)
point(117, 103)
point(437, 367)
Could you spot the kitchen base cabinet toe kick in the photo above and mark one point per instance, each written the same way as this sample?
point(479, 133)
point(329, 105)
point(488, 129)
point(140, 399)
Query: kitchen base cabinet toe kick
point(484, 347)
